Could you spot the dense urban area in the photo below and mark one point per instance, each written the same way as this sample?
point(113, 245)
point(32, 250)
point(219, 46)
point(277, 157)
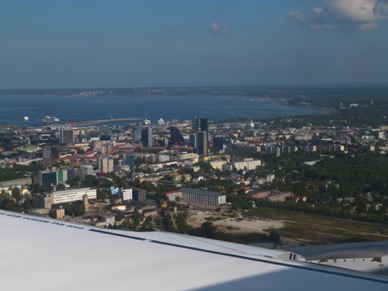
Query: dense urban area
point(293, 180)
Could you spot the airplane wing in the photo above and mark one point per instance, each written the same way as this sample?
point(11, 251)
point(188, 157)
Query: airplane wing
point(371, 257)
point(44, 254)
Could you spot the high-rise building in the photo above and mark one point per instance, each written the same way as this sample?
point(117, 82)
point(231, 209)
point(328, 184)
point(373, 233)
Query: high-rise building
point(218, 143)
point(203, 124)
point(202, 143)
point(193, 140)
point(195, 124)
point(176, 137)
point(136, 133)
point(66, 136)
point(199, 124)
point(146, 136)
point(105, 165)
point(52, 178)
point(130, 161)
point(201, 138)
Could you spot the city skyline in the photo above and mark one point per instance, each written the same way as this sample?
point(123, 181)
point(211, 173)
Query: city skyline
point(97, 44)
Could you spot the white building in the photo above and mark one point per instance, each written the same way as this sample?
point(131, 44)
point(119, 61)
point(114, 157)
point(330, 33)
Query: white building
point(172, 195)
point(126, 194)
point(163, 158)
point(247, 164)
point(73, 195)
point(203, 197)
point(189, 156)
point(217, 164)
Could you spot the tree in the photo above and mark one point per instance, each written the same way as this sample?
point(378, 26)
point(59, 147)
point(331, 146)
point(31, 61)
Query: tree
point(76, 209)
point(8, 204)
point(208, 229)
point(90, 181)
point(61, 187)
point(107, 183)
point(102, 194)
point(135, 217)
point(169, 223)
point(158, 222)
point(181, 223)
point(16, 193)
point(274, 236)
point(73, 182)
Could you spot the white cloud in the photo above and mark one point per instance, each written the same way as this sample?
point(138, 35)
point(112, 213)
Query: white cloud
point(368, 26)
point(344, 14)
point(218, 29)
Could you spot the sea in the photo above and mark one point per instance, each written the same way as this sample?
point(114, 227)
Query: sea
point(14, 108)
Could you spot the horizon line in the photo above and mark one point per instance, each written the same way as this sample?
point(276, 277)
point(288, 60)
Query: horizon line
point(176, 86)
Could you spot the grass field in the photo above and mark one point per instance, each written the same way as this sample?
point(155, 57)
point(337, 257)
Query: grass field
point(317, 229)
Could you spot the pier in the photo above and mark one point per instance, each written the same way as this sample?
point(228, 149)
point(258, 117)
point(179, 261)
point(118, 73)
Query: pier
point(98, 121)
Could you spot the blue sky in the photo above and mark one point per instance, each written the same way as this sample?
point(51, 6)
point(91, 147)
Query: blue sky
point(96, 44)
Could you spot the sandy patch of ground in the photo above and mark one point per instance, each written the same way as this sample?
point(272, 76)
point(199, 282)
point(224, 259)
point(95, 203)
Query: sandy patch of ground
point(234, 225)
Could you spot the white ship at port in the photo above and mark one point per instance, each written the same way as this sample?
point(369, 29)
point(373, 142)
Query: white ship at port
point(50, 118)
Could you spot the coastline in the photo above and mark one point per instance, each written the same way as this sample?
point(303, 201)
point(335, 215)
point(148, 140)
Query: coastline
point(220, 108)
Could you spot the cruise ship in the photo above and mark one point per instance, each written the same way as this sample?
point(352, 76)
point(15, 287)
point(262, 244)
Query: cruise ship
point(50, 118)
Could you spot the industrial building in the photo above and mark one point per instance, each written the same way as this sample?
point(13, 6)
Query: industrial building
point(16, 183)
point(47, 200)
point(203, 197)
point(73, 195)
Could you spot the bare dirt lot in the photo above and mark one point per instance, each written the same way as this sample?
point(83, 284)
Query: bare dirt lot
point(233, 225)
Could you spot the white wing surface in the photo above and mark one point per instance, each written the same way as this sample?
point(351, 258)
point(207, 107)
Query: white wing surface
point(43, 254)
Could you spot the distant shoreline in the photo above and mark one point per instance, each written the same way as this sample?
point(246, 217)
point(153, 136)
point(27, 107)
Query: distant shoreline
point(169, 107)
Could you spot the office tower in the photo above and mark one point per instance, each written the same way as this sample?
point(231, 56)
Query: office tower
point(66, 136)
point(176, 137)
point(130, 161)
point(136, 133)
point(203, 124)
point(201, 138)
point(51, 177)
point(195, 124)
point(199, 124)
point(202, 143)
point(146, 136)
point(193, 140)
point(47, 178)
